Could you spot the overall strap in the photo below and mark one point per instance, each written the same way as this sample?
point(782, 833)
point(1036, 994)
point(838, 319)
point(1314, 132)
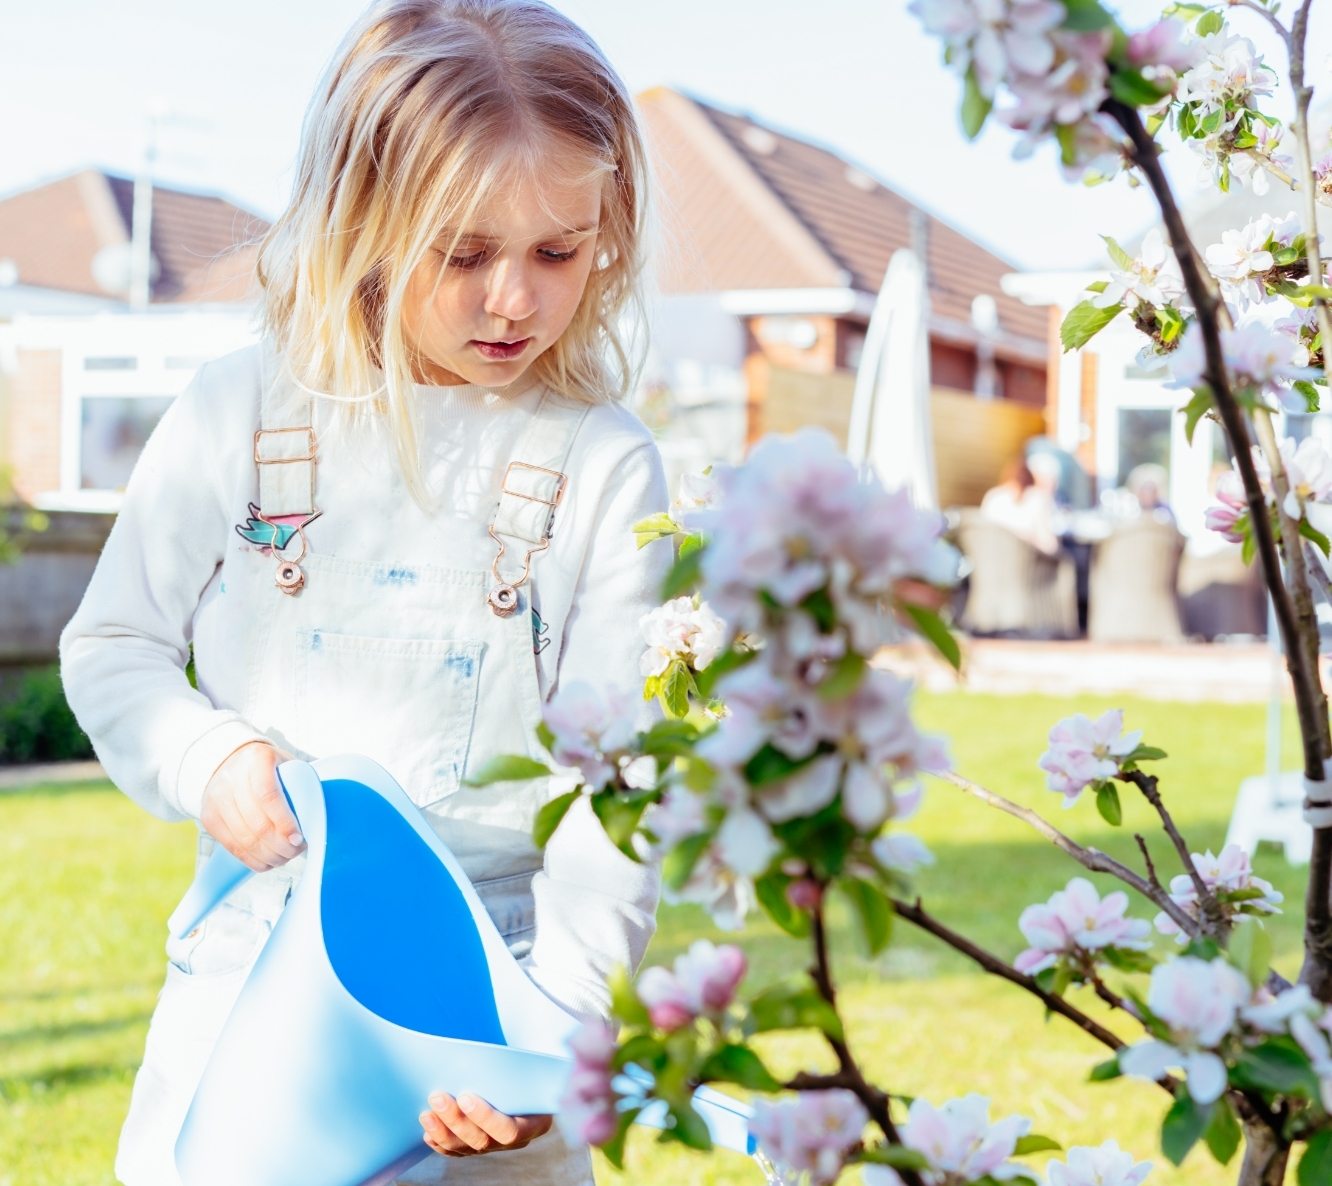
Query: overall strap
point(534, 482)
point(284, 446)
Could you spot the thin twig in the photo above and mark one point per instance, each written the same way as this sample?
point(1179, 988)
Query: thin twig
point(1208, 905)
point(1089, 858)
point(1147, 858)
point(1267, 15)
point(915, 913)
point(1317, 572)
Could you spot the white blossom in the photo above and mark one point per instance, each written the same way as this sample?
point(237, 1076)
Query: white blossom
point(995, 37)
point(1083, 752)
point(591, 728)
point(901, 852)
point(1199, 1001)
point(681, 630)
point(810, 1134)
point(1154, 277)
point(959, 1142)
point(1106, 1165)
point(1077, 921)
point(1229, 873)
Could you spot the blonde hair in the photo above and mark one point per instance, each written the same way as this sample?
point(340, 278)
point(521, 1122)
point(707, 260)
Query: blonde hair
point(429, 109)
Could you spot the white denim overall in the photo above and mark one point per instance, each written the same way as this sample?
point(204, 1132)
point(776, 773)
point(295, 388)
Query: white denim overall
point(449, 685)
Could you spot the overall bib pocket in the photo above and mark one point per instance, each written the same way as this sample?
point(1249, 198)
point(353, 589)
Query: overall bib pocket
point(408, 703)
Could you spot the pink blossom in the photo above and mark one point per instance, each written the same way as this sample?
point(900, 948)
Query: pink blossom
point(1083, 752)
point(764, 709)
point(1077, 920)
point(1167, 43)
point(1255, 356)
point(1227, 874)
point(1067, 94)
point(1108, 1165)
point(1234, 505)
point(703, 981)
point(1200, 1002)
point(958, 1141)
point(810, 1134)
point(1322, 172)
point(587, 1108)
point(591, 729)
point(901, 852)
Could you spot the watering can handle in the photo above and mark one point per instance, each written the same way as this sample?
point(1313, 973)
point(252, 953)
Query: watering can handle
point(222, 873)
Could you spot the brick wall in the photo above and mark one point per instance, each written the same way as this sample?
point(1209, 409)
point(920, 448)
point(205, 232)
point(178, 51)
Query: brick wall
point(34, 423)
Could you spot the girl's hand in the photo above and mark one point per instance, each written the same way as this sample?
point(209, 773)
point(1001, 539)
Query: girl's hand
point(468, 1125)
point(245, 811)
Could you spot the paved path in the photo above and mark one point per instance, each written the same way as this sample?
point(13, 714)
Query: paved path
point(12, 777)
point(1240, 673)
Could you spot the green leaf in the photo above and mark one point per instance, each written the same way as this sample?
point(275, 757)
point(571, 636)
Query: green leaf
point(1249, 548)
point(545, 736)
point(874, 910)
point(624, 1000)
point(549, 817)
point(695, 541)
point(790, 1007)
point(843, 677)
point(644, 1051)
point(654, 527)
point(679, 864)
point(975, 106)
point(1086, 16)
point(770, 765)
point(1084, 322)
point(1127, 960)
point(1103, 1072)
point(1203, 948)
point(1223, 1133)
point(1183, 1127)
point(1276, 1065)
point(1118, 256)
point(1316, 1164)
point(819, 606)
point(1208, 23)
point(619, 814)
point(1107, 803)
point(670, 738)
point(1130, 88)
point(1035, 1143)
point(932, 627)
point(1312, 533)
point(684, 575)
point(898, 1156)
point(1146, 753)
point(675, 689)
point(1098, 286)
point(1211, 123)
point(1310, 393)
point(771, 892)
point(1171, 322)
point(1195, 410)
point(689, 1127)
point(1251, 950)
point(507, 768)
point(740, 1065)
point(614, 1148)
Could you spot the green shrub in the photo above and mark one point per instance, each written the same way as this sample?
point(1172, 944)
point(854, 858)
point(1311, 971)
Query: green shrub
point(37, 725)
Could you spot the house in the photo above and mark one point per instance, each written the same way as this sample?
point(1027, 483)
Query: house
point(84, 378)
point(772, 252)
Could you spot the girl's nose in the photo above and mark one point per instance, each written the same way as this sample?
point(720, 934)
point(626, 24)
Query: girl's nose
point(509, 293)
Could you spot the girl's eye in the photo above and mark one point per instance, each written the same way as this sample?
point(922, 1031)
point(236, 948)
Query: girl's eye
point(467, 262)
point(557, 256)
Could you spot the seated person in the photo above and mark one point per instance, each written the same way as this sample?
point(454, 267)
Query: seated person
point(1149, 484)
point(1025, 506)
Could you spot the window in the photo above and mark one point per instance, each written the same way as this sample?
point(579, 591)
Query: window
point(113, 432)
point(1144, 436)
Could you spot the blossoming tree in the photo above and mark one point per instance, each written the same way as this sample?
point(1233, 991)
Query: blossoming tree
point(783, 763)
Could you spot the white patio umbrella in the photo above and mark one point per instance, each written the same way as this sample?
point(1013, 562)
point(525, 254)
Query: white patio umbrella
point(890, 414)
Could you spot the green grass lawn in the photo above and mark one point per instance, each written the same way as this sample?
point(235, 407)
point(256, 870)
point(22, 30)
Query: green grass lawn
point(87, 880)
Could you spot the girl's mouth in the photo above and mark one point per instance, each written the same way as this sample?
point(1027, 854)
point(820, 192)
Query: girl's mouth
point(500, 351)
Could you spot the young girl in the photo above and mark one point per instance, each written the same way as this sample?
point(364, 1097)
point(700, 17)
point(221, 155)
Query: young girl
point(397, 526)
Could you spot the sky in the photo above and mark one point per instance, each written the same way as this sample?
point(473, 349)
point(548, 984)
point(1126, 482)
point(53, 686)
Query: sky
point(80, 78)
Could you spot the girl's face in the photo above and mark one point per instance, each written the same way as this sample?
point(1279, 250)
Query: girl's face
point(482, 310)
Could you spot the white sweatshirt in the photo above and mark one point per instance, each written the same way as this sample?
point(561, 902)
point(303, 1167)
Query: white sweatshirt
point(174, 573)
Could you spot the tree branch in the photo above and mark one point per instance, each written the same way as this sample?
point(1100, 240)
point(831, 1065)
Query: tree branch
point(1147, 859)
point(996, 967)
point(1089, 858)
point(1269, 17)
point(849, 1075)
point(1208, 905)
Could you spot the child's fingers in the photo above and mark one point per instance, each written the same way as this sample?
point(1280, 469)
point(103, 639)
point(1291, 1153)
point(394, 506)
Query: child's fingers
point(273, 803)
point(472, 1135)
point(504, 1130)
point(441, 1138)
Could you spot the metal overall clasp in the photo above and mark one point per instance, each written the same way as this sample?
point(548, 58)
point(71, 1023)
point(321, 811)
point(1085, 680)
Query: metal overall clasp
point(503, 596)
point(290, 576)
